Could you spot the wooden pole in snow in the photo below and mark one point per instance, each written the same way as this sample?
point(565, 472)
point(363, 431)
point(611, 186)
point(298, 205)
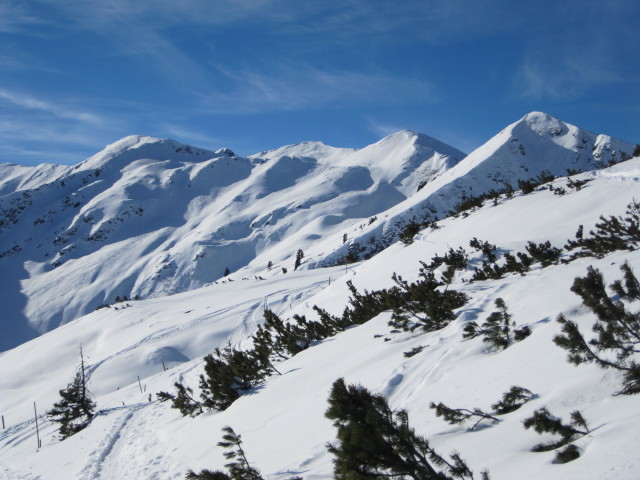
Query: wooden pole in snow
point(35, 412)
point(140, 384)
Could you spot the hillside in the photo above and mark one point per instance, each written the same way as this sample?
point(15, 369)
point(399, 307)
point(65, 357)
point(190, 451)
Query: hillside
point(282, 420)
point(149, 217)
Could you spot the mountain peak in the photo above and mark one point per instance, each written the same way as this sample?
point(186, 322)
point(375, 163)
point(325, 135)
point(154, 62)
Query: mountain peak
point(543, 123)
point(135, 147)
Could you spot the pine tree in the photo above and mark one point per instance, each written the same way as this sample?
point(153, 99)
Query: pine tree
point(421, 304)
point(75, 409)
point(408, 233)
point(299, 257)
point(238, 468)
point(498, 328)
point(543, 422)
point(183, 400)
point(459, 416)
point(376, 443)
point(617, 339)
point(512, 400)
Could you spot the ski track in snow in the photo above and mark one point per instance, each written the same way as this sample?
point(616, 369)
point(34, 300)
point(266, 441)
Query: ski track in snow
point(109, 454)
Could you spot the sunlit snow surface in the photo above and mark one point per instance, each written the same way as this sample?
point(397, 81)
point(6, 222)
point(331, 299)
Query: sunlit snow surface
point(281, 422)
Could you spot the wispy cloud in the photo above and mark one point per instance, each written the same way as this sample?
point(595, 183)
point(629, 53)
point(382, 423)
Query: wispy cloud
point(288, 87)
point(57, 110)
point(563, 78)
point(382, 129)
point(578, 49)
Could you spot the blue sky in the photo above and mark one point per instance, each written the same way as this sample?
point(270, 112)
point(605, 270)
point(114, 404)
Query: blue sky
point(258, 74)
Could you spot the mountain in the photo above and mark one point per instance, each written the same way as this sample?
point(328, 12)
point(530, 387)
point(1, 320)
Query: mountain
point(148, 217)
point(534, 144)
point(128, 345)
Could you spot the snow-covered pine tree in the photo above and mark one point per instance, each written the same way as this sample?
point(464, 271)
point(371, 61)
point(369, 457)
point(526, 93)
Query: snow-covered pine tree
point(76, 408)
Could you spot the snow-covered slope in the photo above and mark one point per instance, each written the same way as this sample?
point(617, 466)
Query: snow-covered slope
point(281, 422)
point(537, 142)
point(148, 217)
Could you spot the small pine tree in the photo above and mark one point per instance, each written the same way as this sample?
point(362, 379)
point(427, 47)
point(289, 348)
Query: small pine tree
point(75, 409)
point(459, 416)
point(498, 329)
point(543, 422)
point(512, 400)
point(409, 232)
point(238, 469)
point(227, 272)
point(183, 400)
point(544, 253)
point(486, 248)
point(421, 304)
point(299, 257)
point(618, 330)
point(377, 443)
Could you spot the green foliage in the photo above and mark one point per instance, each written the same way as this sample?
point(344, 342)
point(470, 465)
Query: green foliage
point(528, 186)
point(207, 475)
point(413, 352)
point(228, 373)
point(617, 330)
point(75, 409)
point(459, 416)
point(377, 443)
point(183, 400)
point(485, 247)
point(567, 454)
point(610, 235)
point(543, 422)
point(408, 233)
point(544, 253)
point(512, 400)
point(511, 264)
point(498, 329)
point(421, 304)
point(364, 306)
point(299, 257)
point(238, 468)
point(474, 202)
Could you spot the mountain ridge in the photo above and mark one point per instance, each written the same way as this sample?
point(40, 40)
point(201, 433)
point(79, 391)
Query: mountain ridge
point(150, 217)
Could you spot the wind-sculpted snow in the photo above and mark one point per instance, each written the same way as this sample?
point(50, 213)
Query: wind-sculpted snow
point(282, 421)
point(149, 217)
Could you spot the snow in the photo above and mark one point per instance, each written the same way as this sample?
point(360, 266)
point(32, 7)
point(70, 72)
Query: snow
point(282, 421)
point(149, 217)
